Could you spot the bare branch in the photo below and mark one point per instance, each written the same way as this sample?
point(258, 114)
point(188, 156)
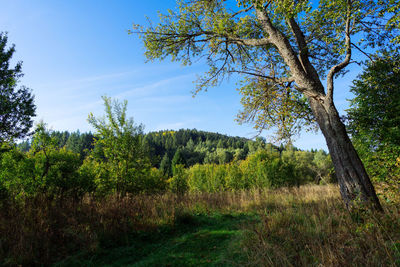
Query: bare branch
point(362, 51)
point(335, 69)
point(273, 79)
point(242, 11)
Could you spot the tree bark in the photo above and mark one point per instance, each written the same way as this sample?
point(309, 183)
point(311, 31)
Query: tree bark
point(353, 179)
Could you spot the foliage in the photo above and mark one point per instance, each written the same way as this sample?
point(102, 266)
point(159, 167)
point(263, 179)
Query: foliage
point(196, 147)
point(263, 169)
point(178, 159)
point(374, 120)
point(124, 165)
point(279, 107)
point(16, 104)
point(374, 110)
point(215, 162)
point(178, 183)
point(394, 21)
point(45, 169)
point(282, 49)
point(323, 167)
point(165, 165)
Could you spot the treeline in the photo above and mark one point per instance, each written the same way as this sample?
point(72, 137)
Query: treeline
point(120, 159)
point(77, 142)
point(196, 147)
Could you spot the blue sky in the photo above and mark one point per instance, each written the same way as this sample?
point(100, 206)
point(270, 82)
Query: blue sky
point(75, 51)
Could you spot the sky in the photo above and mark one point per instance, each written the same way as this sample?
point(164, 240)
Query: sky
point(74, 52)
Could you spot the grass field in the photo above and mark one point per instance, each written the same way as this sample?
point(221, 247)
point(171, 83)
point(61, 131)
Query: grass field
point(306, 226)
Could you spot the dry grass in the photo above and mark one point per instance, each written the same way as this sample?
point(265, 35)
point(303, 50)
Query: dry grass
point(310, 227)
point(41, 231)
point(300, 226)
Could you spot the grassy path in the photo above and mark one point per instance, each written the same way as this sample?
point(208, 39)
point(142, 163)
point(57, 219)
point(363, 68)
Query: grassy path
point(195, 240)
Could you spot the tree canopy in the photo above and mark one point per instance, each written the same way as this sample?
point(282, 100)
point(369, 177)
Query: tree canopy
point(277, 47)
point(16, 104)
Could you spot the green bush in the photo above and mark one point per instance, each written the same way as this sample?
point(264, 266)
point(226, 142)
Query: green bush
point(178, 183)
point(259, 170)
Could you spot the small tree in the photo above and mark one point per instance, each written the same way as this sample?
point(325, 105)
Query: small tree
point(122, 147)
point(178, 159)
point(178, 183)
point(165, 165)
point(16, 104)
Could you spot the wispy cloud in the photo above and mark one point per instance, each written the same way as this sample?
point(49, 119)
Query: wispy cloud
point(152, 87)
point(88, 81)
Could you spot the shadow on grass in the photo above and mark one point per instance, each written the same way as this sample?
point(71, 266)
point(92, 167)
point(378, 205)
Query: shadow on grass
point(194, 240)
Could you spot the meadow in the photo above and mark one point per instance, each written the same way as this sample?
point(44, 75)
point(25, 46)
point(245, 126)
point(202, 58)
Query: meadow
point(304, 226)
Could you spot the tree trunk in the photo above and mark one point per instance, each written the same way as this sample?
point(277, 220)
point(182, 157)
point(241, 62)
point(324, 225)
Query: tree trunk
point(353, 180)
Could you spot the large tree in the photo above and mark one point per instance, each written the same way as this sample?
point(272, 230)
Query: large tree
point(284, 50)
point(16, 104)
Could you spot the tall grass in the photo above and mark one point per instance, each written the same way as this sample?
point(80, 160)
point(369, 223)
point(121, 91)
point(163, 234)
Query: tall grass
point(310, 227)
point(42, 230)
point(297, 226)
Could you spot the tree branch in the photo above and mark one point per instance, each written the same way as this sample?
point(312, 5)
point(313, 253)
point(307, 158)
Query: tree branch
point(273, 79)
point(310, 87)
point(301, 42)
point(362, 51)
point(242, 11)
point(335, 69)
point(210, 35)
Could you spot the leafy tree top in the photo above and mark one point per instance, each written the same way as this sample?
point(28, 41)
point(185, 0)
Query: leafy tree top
point(16, 104)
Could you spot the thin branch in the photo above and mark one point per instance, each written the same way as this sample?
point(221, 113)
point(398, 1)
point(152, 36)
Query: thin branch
point(362, 51)
point(231, 39)
point(335, 69)
point(274, 79)
point(242, 11)
point(215, 75)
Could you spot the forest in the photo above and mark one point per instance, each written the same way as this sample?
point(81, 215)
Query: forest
point(120, 196)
